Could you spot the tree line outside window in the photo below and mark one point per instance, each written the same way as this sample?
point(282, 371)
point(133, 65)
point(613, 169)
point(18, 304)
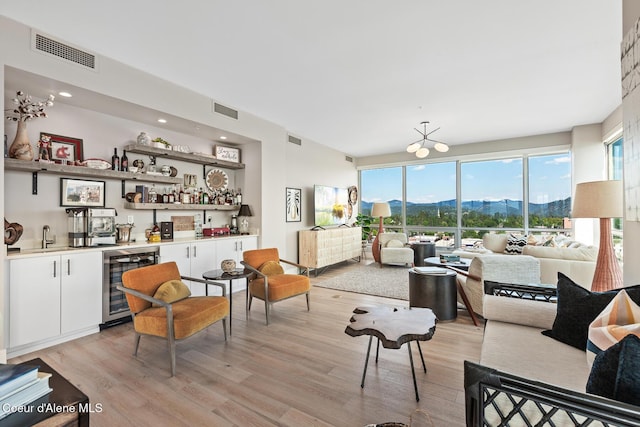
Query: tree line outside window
point(456, 202)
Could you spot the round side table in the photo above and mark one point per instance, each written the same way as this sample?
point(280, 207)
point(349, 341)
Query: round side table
point(435, 291)
point(422, 250)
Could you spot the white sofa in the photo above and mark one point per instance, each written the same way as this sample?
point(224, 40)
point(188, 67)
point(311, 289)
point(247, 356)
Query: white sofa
point(576, 261)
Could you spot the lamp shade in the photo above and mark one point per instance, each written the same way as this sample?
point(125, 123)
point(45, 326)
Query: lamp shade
point(598, 199)
point(245, 210)
point(381, 209)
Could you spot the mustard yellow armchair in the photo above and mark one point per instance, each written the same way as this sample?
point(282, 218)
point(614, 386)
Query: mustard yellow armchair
point(161, 305)
point(269, 282)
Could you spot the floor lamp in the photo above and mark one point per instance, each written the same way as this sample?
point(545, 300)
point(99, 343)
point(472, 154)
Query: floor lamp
point(602, 199)
point(381, 210)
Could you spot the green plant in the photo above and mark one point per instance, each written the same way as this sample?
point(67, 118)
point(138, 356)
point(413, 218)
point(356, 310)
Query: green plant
point(365, 222)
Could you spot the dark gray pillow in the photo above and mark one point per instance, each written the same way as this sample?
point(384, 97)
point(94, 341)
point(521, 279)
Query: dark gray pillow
point(616, 372)
point(577, 308)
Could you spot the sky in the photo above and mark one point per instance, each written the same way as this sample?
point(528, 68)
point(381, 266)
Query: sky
point(550, 179)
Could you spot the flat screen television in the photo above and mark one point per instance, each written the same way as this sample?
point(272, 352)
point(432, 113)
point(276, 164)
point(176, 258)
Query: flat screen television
point(330, 205)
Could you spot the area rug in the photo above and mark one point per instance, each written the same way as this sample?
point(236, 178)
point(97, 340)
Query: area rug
point(388, 281)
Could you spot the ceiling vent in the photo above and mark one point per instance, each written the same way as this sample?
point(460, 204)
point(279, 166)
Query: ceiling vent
point(225, 111)
point(348, 159)
point(44, 44)
point(294, 140)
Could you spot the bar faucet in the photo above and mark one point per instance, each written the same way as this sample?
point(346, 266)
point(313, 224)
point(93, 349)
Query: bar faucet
point(46, 242)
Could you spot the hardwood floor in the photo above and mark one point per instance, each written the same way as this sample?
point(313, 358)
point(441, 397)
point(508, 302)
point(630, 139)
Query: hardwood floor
point(301, 370)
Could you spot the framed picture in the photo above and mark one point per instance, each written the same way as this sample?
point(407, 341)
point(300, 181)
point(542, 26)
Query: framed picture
point(228, 154)
point(81, 192)
point(294, 205)
point(62, 149)
point(190, 180)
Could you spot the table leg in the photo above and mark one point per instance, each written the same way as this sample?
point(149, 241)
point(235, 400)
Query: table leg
point(413, 372)
point(421, 357)
point(230, 303)
point(366, 361)
point(377, 349)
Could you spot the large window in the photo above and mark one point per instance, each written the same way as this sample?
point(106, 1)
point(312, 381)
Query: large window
point(615, 155)
point(463, 200)
point(491, 195)
point(382, 185)
point(549, 191)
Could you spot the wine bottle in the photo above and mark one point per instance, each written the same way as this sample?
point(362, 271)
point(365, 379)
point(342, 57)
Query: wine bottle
point(124, 162)
point(115, 160)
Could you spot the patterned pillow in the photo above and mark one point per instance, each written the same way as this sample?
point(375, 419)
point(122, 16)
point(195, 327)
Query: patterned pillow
point(515, 244)
point(619, 319)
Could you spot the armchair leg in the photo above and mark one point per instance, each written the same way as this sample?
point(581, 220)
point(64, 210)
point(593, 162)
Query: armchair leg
point(224, 327)
point(136, 343)
point(266, 310)
point(308, 303)
point(172, 351)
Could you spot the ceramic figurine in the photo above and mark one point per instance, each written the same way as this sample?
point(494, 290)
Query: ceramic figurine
point(144, 139)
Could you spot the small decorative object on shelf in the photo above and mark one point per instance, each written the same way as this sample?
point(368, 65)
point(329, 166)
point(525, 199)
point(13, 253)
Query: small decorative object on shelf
point(143, 139)
point(115, 160)
point(161, 143)
point(228, 265)
point(26, 109)
point(124, 162)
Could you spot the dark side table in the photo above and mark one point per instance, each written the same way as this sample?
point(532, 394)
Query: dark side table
point(435, 291)
point(220, 275)
point(422, 250)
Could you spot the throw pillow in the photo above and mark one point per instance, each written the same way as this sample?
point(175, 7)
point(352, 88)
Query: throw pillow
point(171, 291)
point(577, 308)
point(515, 244)
point(394, 244)
point(619, 319)
point(616, 372)
point(269, 268)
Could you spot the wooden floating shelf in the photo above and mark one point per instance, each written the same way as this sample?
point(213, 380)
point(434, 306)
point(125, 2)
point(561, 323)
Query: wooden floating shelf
point(82, 171)
point(185, 157)
point(179, 206)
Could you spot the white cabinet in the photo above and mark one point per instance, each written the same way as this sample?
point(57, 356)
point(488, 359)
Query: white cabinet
point(192, 259)
point(53, 295)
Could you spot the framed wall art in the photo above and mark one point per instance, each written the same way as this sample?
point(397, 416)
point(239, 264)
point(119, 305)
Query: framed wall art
point(229, 154)
point(81, 193)
point(294, 204)
point(62, 149)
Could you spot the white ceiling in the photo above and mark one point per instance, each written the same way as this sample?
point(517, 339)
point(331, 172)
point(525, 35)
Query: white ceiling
point(359, 75)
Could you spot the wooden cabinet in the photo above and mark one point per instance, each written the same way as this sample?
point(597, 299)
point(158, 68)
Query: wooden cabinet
point(53, 295)
point(319, 248)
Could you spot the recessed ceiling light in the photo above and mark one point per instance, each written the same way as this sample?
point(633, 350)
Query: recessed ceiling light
point(65, 94)
point(162, 121)
point(223, 137)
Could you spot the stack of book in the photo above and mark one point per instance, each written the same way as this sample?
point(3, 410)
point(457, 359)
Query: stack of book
point(20, 387)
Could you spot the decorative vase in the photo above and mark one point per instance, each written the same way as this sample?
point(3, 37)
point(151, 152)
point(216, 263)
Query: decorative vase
point(228, 265)
point(143, 139)
point(21, 148)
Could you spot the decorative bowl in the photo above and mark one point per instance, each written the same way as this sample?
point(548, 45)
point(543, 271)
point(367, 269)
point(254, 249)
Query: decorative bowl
point(228, 265)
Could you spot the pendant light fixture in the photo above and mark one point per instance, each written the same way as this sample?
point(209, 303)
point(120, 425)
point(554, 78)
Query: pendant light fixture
point(420, 147)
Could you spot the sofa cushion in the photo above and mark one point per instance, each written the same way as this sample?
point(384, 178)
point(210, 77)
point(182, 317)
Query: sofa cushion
point(171, 291)
point(495, 242)
point(583, 253)
point(616, 372)
point(619, 319)
point(270, 268)
point(515, 244)
point(577, 308)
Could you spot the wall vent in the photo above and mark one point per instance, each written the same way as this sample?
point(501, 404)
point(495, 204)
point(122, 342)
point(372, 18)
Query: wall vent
point(44, 44)
point(294, 140)
point(225, 111)
point(348, 159)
